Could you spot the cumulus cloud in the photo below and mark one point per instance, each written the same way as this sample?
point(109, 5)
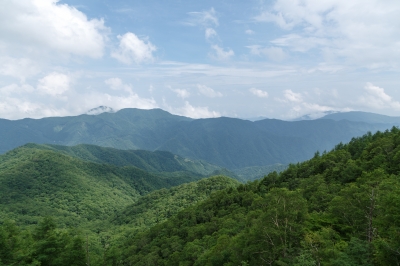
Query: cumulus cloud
point(117, 85)
point(133, 49)
point(54, 95)
point(292, 96)
point(116, 102)
point(182, 93)
point(375, 97)
point(273, 53)
point(17, 108)
point(196, 112)
point(209, 92)
point(54, 84)
point(48, 25)
point(18, 67)
point(311, 104)
point(312, 110)
point(259, 93)
point(221, 54)
point(358, 32)
point(203, 18)
point(15, 89)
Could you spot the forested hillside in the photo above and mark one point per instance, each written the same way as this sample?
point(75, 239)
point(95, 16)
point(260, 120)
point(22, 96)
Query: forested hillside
point(95, 241)
point(157, 161)
point(161, 204)
point(35, 183)
point(339, 208)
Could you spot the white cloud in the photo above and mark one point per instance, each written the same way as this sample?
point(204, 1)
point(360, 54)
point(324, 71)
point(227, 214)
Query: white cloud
point(292, 96)
point(277, 18)
point(312, 110)
point(182, 93)
point(196, 112)
point(376, 98)
point(18, 67)
point(20, 101)
point(300, 43)
point(16, 108)
point(249, 32)
point(13, 89)
point(220, 53)
point(117, 84)
point(45, 24)
point(364, 33)
point(96, 99)
point(209, 92)
point(132, 49)
point(204, 18)
point(273, 53)
point(54, 84)
point(210, 33)
point(259, 93)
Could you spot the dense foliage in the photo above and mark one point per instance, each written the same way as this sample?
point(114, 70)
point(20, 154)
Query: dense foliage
point(159, 205)
point(46, 245)
point(339, 208)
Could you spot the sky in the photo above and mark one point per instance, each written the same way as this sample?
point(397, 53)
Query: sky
point(278, 59)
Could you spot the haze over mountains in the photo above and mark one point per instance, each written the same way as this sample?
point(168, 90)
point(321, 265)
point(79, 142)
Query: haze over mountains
point(227, 142)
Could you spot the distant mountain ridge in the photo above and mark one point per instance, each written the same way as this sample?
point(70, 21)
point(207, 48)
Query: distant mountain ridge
point(227, 142)
point(366, 117)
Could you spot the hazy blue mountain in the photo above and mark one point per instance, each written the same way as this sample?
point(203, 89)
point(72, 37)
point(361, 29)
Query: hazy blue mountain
point(358, 116)
point(227, 142)
point(125, 129)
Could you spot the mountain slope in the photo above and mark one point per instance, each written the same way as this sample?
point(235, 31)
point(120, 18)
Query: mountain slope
point(227, 142)
point(36, 183)
point(159, 205)
point(157, 161)
point(339, 208)
point(125, 129)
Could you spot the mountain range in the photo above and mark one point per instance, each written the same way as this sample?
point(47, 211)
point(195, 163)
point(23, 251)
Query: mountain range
point(227, 142)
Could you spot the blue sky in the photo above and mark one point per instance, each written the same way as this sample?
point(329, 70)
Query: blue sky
point(277, 59)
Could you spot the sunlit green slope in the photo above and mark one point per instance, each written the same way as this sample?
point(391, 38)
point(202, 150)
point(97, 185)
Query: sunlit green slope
point(35, 183)
point(161, 204)
point(339, 208)
point(157, 161)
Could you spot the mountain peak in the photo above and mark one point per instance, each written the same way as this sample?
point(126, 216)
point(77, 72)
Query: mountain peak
point(99, 110)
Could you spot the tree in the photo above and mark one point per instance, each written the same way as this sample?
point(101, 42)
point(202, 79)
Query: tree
point(279, 228)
